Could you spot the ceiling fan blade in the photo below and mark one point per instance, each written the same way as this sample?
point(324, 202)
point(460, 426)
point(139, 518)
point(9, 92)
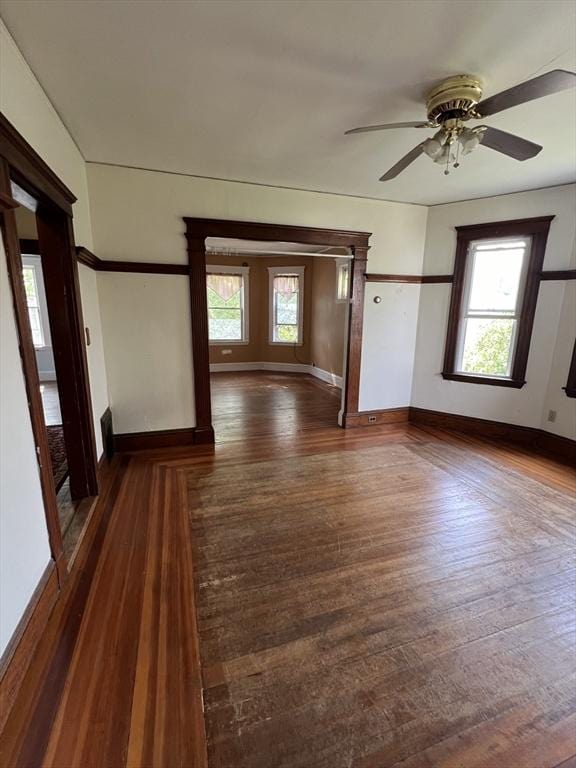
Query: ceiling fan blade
point(509, 144)
point(543, 85)
point(403, 163)
point(367, 128)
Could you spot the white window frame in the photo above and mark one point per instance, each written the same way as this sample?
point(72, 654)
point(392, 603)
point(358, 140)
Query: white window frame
point(278, 272)
point(341, 265)
point(244, 273)
point(466, 313)
point(38, 307)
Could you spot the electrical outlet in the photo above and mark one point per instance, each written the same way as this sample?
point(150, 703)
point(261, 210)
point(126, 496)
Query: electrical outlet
point(371, 419)
point(552, 416)
point(226, 351)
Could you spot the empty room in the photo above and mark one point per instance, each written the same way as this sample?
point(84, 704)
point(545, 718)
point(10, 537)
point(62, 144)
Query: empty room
point(287, 384)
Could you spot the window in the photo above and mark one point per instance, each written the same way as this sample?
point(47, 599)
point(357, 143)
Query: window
point(286, 304)
point(495, 288)
point(227, 296)
point(342, 280)
point(570, 387)
point(31, 287)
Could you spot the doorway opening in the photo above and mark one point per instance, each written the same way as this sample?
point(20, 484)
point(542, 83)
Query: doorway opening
point(346, 244)
point(277, 327)
point(38, 239)
point(73, 497)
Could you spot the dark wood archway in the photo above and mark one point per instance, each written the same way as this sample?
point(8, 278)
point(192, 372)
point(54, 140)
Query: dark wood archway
point(197, 230)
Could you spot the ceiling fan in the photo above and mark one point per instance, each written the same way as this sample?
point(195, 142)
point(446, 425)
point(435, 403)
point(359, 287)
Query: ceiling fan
point(458, 99)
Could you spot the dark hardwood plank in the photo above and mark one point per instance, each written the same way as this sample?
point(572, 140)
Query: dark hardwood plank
point(383, 596)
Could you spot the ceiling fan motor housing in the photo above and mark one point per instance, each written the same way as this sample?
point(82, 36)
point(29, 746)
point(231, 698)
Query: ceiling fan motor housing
point(453, 99)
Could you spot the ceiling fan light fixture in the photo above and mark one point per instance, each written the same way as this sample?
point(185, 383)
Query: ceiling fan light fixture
point(433, 146)
point(469, 139)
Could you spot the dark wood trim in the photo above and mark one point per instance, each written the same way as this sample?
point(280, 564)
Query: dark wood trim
point(493, 381)
point(107, 430)
point(537, 229)
point(143, 267)
point(28, 168)
point(20, 650)
point(510, 228)
point(60, 270)
point(570, 387)
point(28, 245)
point(251, 230)
point(374, 277)
point(197, 230)
point(87, 258)
point(373, 418)
point(30, 370)
point(558, 274)
point(7, 202)
point(536, 439)
point(164, 438)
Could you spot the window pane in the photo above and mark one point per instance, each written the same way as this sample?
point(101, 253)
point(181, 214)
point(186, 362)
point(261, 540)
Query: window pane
point(225, 305)
point(225, 329)
point(487, 346)
point(343, 281)
point(30, 286)
point(35, 326)
point(288, 333)
point(287, 309)
point(496, 278)
point(224, 290)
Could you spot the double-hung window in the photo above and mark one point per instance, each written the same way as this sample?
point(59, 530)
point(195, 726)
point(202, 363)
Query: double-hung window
point(32, 299)
point(286, 288)
point(494, 294)
point(227, 296)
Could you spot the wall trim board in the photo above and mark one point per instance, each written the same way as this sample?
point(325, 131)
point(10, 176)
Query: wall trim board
point(312, 370)
point(376, 277)
point(89, 259)
point(163, 438)
point(20, 650)
point(531, 437)
point(373, 418)
point(558, 274)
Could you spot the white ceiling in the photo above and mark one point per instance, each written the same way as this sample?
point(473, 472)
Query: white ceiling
point(263, 91)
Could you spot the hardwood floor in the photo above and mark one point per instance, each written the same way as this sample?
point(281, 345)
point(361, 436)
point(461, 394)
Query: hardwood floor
point(377, 597)
point(50, 403)
point(256, 403)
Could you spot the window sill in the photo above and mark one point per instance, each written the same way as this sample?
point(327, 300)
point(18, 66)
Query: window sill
point(286, 343)
point(221, 343)
point(490, 380)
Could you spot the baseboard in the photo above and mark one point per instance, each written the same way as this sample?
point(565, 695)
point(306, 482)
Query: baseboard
point(164, 438)
point(46, 376)
point(373, 418)
point(20, 650)
point(319, 373)
point(532, 437)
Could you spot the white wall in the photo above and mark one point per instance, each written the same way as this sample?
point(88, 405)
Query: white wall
point(24, 548)
point(137, 215)
point(146, 322)
point(25, 104)
point(549, 340)
point(24, 540)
